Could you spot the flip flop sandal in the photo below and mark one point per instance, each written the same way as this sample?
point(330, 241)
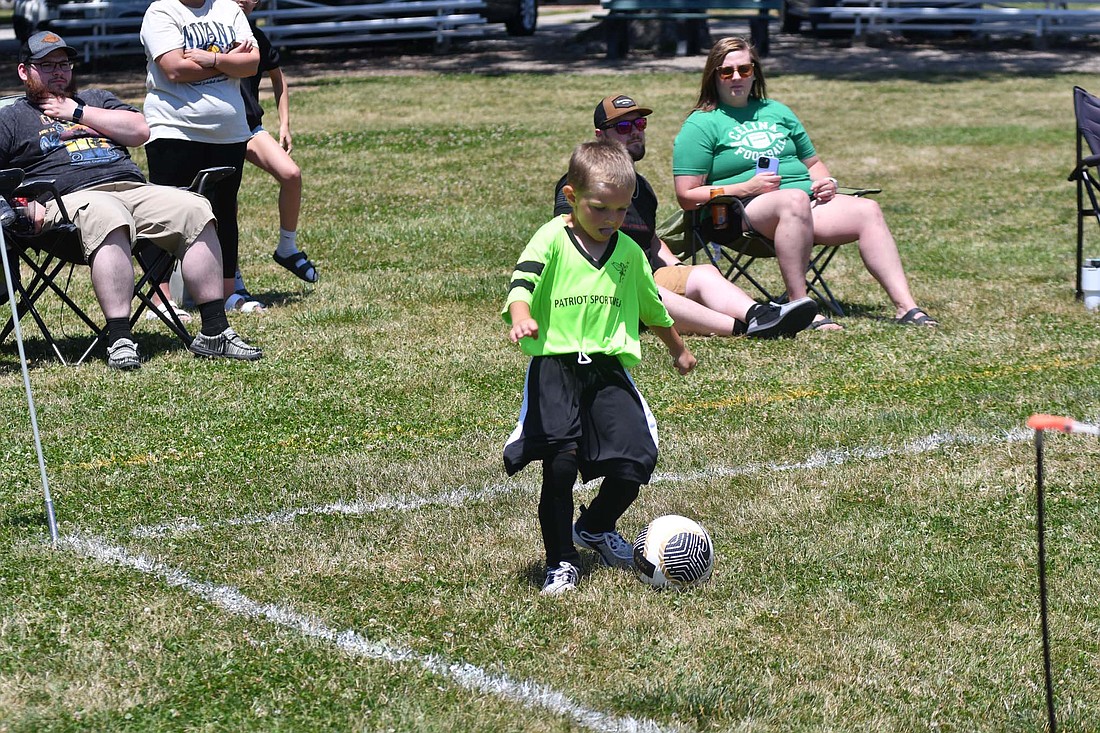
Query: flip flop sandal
point(917, 317)
point(181, 314)
point(299, 264)
point(243, 304)
point(825, 321)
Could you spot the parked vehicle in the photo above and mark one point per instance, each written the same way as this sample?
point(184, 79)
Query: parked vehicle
point(796, 11)
point(520, 17)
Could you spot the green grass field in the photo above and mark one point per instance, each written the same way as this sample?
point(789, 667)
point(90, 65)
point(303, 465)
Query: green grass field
point(325, 540)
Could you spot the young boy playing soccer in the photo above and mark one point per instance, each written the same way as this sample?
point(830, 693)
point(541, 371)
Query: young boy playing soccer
point(574, 303)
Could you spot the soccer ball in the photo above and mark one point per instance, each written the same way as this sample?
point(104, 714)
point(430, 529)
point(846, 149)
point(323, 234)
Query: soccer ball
point(673, 552)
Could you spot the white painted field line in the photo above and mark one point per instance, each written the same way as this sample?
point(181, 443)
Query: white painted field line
point(839, 457)
point(453, 497)
point(463, 494)
point(527, 693)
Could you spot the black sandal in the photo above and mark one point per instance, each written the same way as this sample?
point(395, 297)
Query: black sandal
point(299, 264)
point(917, 317)
point(825, 321)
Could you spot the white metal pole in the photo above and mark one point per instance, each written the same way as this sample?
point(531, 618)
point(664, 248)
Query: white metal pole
point(50, 517)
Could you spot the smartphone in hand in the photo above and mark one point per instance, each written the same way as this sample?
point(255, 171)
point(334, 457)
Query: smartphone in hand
point(767, 164)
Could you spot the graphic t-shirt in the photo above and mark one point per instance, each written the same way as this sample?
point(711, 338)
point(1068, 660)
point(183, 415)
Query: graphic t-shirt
point(74, 155)
point(583, 305)
point(641, 218)
point(208, 111)
point(250, 87)
point(725, 143)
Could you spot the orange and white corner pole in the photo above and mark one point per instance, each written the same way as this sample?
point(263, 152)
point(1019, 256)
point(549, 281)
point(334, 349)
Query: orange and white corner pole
point(1040, 423)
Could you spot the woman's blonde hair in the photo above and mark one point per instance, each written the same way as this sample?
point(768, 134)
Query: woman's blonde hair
point(602, 161)
point(708, 92)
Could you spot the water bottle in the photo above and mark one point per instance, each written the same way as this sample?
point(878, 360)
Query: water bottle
point(1090, 283)
point(719, 213)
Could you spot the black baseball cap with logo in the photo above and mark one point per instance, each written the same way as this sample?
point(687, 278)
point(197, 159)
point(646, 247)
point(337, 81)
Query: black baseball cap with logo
point(614, 107)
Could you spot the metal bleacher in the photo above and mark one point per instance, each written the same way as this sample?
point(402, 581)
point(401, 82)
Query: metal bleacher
point(1036, 18)
point(111, 28)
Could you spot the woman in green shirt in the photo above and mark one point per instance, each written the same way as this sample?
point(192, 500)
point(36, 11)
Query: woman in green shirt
point(716, 152)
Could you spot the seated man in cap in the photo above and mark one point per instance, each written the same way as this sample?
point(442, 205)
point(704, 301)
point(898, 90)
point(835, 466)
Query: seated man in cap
point(699, 299)
point(79, 140)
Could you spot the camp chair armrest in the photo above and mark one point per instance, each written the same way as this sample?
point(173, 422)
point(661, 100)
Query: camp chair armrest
point(10, 178)
point(209, 176)
point(39, 189)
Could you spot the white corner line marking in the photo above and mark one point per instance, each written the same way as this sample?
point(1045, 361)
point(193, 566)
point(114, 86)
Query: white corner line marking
point(527, 693)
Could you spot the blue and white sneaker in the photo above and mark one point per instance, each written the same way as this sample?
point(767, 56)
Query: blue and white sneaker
point(561, 579)
point(613, 548)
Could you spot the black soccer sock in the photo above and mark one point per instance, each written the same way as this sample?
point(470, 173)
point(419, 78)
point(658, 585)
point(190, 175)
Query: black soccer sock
point(118, 328)
point(614, 498)
point(213, 317)
point(559, 473)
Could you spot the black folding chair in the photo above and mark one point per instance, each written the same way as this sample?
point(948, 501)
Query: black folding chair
point(734, 248)
point(52, 256)
point(1086, 108)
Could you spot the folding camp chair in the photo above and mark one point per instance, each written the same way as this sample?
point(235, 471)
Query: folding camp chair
point(50, 254)
point(734, 248)
point(1086, 109)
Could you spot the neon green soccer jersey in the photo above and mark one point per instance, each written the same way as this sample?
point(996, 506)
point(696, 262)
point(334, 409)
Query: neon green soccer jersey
point(582, 305)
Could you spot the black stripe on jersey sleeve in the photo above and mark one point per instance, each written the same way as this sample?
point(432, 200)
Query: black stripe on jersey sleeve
point(525, 284)
point(535, 268)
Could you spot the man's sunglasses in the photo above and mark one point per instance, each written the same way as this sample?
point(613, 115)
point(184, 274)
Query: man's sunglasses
point(745, 70)
point(623, 126)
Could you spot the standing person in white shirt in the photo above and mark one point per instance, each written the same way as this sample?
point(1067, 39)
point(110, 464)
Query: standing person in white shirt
point(197, 52)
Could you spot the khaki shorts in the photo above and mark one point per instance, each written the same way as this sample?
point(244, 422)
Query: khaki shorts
point(170, 218)
point(673, 277)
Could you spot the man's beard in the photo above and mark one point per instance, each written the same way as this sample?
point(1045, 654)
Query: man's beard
point(637, 151)
point(37, 90)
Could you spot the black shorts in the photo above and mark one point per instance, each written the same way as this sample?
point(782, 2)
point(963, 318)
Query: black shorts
point(594, 408)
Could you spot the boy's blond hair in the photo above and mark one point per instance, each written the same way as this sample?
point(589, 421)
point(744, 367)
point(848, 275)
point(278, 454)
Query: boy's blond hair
point(600, 162)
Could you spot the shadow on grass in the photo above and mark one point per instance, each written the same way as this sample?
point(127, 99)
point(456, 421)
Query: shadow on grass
point(579, 46)
point(39, 353)
point(534, 573)
point(24, 516)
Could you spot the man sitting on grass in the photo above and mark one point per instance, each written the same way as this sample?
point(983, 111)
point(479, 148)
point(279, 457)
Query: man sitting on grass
point(78, 140)
point(700, 300)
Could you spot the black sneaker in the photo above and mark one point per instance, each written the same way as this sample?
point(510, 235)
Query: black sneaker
point(771, 320)
point(614, 549)
point(560, 579)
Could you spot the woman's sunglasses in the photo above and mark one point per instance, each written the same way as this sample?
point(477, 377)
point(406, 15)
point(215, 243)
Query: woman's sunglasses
point(745, 70)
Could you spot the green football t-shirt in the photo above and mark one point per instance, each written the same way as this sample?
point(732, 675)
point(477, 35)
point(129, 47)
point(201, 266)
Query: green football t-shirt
point(582, 305)
point(724, 144)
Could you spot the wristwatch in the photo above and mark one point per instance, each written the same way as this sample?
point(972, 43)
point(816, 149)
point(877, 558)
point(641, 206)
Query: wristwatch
point(78, 113)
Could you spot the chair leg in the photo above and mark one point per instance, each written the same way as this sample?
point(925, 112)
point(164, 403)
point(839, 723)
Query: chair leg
point(45, 274)
point(147, 286)
point(1089, 184)
point(817, 283)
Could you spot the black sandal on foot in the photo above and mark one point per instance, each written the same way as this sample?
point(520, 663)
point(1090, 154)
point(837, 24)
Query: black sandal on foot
point(917, 317)
point(825, 321)
point(299, 264)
